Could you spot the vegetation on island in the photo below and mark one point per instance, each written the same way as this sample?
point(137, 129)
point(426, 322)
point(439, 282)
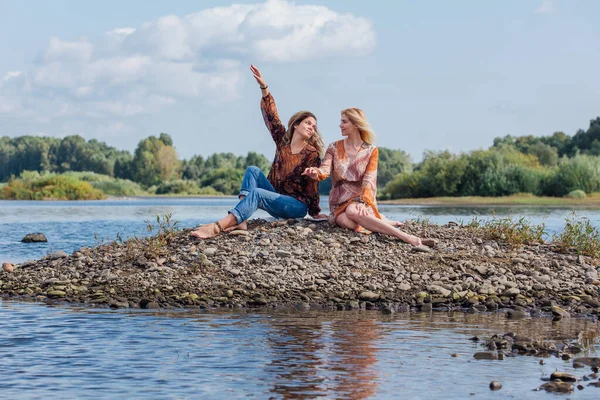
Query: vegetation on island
point(555, 166)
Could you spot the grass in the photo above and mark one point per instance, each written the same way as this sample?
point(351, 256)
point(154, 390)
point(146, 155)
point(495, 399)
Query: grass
point(513, 231)
point(579, 235)
point(525, 199)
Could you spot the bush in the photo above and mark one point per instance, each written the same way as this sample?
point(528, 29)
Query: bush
point(178, 186)
point(50, 187)
point(578, 173)
point(119, 187)
point(577, 194)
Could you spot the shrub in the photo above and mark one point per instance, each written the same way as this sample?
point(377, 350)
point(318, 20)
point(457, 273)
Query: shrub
point(576, 194)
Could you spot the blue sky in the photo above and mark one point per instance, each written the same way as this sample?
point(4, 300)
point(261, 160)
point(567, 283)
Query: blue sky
point(430, 75)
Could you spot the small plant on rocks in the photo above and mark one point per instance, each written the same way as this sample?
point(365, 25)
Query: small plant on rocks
point(580, 235)
point(513, 231)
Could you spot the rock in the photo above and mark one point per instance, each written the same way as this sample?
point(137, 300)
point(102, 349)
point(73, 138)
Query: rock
point(7, 267)
point(239, 232)
point(34, 238)
point(283, 254)
point(486, 355)
point(210, 251)
point(421, 249)
point(56, 293)
point(435, 289)
point(512, 292)
point(495, 385)
point(563, 376)
point(557, 387)
point(368, 296)
point(58, 254)
point(559, 313)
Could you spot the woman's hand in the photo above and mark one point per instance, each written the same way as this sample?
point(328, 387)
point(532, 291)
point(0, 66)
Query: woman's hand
point(362, 209)
point(312, 173)
point(258, 77)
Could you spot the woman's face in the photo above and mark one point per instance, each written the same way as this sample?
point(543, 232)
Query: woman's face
point(347, 127)
point(306, 128)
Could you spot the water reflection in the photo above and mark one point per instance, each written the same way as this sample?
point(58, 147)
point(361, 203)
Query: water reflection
point(71, 353)
point(317, 357)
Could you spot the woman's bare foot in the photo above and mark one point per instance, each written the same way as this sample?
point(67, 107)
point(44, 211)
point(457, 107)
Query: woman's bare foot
point(413, 240)
point(240, 227)
point(207, 231)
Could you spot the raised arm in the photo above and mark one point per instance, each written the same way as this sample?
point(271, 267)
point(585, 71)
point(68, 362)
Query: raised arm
point(369, 181)
point(269, 109)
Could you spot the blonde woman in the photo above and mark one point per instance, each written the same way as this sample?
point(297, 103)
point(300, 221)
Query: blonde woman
point(285, 193)
point(352, 164)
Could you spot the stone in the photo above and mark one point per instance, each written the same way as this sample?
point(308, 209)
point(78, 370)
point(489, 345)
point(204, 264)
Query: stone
point(563, 376)
point(368, 296)
point(485, 355)
point(283, 254)
point(56, 293)
point(210, 251)
point(34, 238)
point(495, 385)
point(7, 267)
point(421, 249)
point(557, 387)
point(239, 232)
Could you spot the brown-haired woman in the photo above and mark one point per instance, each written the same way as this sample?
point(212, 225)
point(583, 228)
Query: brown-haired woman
point(285, 193)
point(352, 164)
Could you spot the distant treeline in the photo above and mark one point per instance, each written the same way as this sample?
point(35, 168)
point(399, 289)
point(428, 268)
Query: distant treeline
point(553, 165)
point(546, 166)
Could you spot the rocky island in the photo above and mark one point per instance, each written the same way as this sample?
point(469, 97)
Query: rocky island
point(303, 264)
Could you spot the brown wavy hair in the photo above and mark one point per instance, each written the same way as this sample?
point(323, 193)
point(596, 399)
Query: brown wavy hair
point(316, 140)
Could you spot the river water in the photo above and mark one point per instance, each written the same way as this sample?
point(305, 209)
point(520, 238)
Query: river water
point(74, 352)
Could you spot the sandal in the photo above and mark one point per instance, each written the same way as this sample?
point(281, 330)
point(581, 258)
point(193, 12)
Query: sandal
point(207, 235)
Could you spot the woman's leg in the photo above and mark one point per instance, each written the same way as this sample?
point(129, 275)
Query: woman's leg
point(254, 178)
point(277, 205)
point(375, 224)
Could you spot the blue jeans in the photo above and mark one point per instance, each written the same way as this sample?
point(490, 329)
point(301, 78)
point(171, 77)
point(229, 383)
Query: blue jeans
point(261, 194)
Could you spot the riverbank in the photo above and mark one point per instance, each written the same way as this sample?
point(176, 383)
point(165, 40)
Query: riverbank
point(591, 201)
point(300, 263)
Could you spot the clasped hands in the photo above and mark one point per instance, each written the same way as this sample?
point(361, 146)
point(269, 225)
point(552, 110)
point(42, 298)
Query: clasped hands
point(312, 173)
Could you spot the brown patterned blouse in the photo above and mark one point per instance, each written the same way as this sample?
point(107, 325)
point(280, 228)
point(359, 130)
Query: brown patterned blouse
point(354, 178)
point(287, 168)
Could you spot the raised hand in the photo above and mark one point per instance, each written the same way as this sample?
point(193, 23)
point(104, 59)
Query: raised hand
point(311, 173)
point(258, 76)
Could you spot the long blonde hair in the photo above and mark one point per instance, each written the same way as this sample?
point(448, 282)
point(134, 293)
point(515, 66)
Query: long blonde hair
point(359, 119)
point(315, 140)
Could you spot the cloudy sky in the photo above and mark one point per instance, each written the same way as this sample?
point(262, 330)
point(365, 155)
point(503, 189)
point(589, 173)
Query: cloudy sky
point(431, 75)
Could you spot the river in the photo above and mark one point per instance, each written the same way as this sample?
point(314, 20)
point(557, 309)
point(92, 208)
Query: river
point(76, 352)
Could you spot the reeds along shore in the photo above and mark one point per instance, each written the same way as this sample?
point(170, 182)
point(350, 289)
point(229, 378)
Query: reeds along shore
point(500, 264)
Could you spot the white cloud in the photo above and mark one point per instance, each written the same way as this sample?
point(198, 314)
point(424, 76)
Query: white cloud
point(131, 71)
point(546, 7)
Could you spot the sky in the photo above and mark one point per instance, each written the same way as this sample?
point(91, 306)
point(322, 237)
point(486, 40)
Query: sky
point(430, 75)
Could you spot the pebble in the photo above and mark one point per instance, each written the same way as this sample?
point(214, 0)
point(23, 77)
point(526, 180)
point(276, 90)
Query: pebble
point(495, 385)
point(7, 267)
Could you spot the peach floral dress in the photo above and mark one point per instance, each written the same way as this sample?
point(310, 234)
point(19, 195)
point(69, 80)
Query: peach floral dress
point(353, 178)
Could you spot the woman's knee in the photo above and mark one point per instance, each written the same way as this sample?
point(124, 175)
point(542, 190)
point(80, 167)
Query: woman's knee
point(352, 212)
point(253, 170)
